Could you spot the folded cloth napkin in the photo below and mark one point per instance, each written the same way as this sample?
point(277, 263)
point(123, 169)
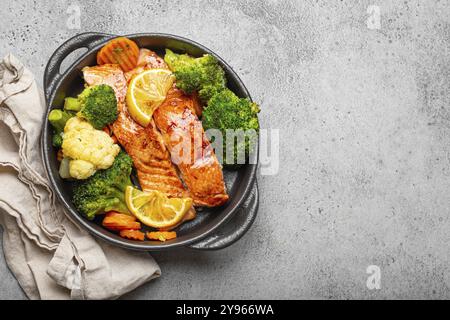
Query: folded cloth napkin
point(49, 255)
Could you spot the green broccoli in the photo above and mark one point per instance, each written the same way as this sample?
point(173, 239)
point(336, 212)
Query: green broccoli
point(71, 104)
point(203, 74)
point(96, 104)
point(105, 190)
point(57, 139)
point(224, 110)
point(227, 111)
point(58, 119)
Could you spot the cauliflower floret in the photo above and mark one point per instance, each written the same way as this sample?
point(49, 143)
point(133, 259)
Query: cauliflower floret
point(80, 169)
point(89, 149)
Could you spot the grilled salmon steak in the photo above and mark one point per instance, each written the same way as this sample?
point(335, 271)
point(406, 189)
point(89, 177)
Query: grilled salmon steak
point(190, 149)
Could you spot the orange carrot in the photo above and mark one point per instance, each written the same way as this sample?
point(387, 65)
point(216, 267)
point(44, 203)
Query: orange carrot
point(162, 235)
point(132, 234)
point(60, 155)
point(121, 51)
point(118, 221)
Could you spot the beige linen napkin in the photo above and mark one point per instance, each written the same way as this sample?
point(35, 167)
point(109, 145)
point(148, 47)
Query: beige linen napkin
point(50, 256)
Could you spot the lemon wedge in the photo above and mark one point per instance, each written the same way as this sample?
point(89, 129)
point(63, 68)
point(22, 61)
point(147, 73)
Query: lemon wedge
point(146, 91)
point(155, 209)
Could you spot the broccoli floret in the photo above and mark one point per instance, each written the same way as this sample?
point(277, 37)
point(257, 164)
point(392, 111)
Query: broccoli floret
point(72, 104)
point(58, 119)
point(227, 111)
point(57, 139)
point(203, 74)
point(96, 104)
point(105, 190)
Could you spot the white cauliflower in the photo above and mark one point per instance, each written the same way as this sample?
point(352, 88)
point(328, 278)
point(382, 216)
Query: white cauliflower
point(89, 149)
point(81, 169)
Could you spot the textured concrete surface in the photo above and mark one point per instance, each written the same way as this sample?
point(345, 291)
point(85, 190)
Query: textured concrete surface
point(364, 119)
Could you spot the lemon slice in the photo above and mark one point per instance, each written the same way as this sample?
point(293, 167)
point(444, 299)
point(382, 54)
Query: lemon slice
point(146, 91)
point(155, 209)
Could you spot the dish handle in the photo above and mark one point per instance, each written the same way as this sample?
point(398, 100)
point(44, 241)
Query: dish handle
point(228, 234)
point(52, 72)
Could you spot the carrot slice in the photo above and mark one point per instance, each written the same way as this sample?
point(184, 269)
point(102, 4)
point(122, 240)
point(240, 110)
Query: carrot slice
point(60, 155)
point(118, 221)
point(162, 235)
point(121, 51)
point(132, 234)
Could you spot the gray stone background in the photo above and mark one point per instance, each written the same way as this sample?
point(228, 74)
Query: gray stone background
point(364, 120)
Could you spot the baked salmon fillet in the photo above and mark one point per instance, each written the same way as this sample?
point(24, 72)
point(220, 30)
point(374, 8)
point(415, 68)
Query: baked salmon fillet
point(190, 149)
point(145, 146)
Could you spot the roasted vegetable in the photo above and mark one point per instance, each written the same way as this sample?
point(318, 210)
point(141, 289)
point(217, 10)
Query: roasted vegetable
point(71, 104)
point(162, 235)
point(58, 119)
point(57, 139)
point(105, 190)
point(118, 221)
point(202, 74)
point(89, 149)
point(121, 51)
point(64, 168)
point(132, 234)
point(60, 155)
point(96, 104)
point(226, 111)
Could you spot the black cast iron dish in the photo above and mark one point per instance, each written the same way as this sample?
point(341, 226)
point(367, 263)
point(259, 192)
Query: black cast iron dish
point(213, 228)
